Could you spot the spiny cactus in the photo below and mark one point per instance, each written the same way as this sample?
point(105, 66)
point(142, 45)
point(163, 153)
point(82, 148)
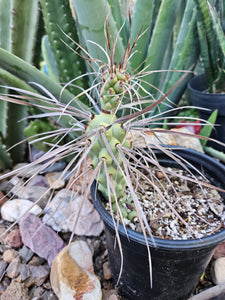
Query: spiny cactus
point(113, 86)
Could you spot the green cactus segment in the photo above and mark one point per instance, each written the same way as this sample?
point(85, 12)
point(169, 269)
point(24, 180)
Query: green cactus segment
point(115, 135)
point(5, 160)
point(143, 13)
point(24, 24)
point(5, 24)
point(16, 117)
point(92, 16)
point(112, 90)
point(58, 19)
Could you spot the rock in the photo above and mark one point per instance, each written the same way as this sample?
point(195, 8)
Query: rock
point(35, 293)
point(39, 194)
point(159, 136)
point(218, 270)
point(15, 291)
point(31, 275)
point(13, 269)
point(55, 180)
point(38, 180)
point(3, 266)
point(4, 283)
point(37, 261)
point(106, 270)
point(220, 250)
point(25, 254)
point(187, 141)
point(27, 170)
point(9, 255)
point(66, 208)
point(109, 295)
point(71, 274)
point(55, 167)
point(14, 209)
point(41, 239)
point(14, 239)
point(113, 297)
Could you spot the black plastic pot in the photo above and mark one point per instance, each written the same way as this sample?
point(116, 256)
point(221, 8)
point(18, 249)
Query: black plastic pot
point(177, 264)
point(201, 98)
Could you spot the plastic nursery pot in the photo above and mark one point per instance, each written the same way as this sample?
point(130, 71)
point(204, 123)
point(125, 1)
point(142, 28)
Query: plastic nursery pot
point(177, 265)
point(201, 98)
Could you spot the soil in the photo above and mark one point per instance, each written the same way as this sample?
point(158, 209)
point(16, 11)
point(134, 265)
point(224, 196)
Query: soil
point(175, 208)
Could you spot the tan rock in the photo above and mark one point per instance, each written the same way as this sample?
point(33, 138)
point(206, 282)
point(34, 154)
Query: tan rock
point(107, 271)
point(55, 180)
point(15, 291)
point(218, 270)
point(165, 137)
point(182, 139)
point(9, 255)
point(72, 274)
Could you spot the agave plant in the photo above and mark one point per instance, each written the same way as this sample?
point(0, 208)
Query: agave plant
point(210, 22)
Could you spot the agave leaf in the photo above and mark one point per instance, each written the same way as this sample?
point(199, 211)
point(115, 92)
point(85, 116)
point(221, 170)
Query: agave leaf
point(49, 59)
point(207, 129)
point(30, 74)
point(93, 28)
point(208, 43)
point(184, 57)
point(142, 21)
point(162, 33)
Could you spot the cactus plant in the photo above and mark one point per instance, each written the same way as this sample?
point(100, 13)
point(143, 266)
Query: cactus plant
point(122, 93)
point(18, 26)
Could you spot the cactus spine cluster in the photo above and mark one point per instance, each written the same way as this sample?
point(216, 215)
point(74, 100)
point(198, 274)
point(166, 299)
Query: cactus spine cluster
point(111, 92)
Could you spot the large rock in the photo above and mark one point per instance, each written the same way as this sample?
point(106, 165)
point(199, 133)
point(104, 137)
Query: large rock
point(13, 210)
point(72, 274)
point(15, 291)
point(40, 238)
point(66, 208)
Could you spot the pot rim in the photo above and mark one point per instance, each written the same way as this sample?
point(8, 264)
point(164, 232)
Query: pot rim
point(197, 243)
point(197, 91)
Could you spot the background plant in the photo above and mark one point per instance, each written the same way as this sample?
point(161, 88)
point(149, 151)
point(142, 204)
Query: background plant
point(166, 44)
point(210, 23)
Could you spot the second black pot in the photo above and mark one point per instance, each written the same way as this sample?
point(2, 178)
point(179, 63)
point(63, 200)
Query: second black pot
point(177, 264)
point(201, 98)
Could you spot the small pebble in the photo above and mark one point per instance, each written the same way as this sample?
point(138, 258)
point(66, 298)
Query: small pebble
point(107, 271)
point(13, 269)
point(9, 255)
point(218, 270)
point(14, 239)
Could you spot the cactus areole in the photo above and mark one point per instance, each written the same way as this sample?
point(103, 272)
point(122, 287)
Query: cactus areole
point(105, 136)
